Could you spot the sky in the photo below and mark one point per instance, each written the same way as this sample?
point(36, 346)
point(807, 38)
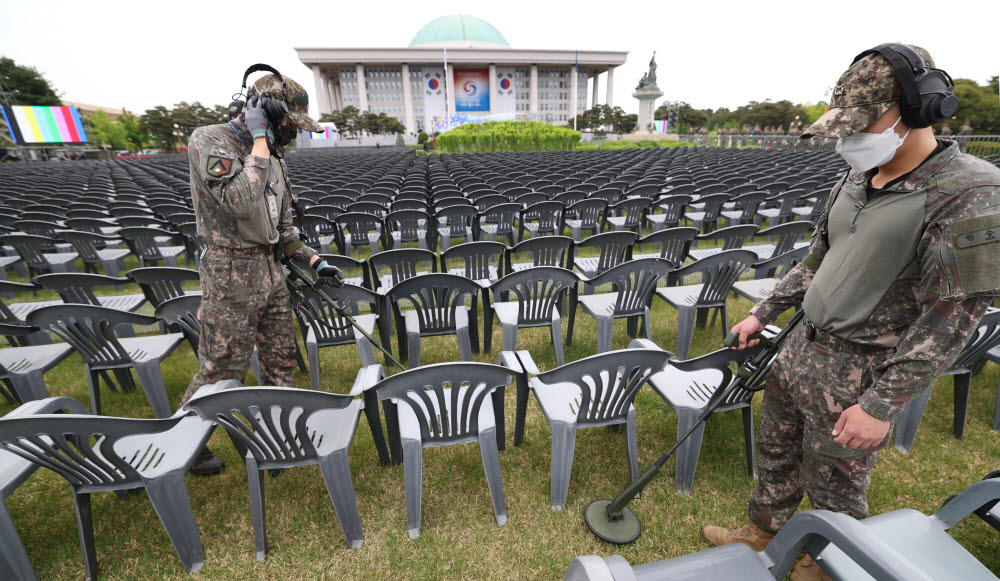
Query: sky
point(711, 54)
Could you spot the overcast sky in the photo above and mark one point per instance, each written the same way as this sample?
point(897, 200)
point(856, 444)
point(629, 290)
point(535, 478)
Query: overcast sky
point(711, 54)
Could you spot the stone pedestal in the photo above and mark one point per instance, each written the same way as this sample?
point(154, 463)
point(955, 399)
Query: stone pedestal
point(647, 106)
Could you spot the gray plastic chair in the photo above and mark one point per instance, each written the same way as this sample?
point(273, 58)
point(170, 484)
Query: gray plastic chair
point(732, 237)
point(673, 211)
point(15, 471)
point(497, 221)
point(454, 221)
point(542, 251)
point(96, 250)
point(920, 540)
point(78, 288)
point(145, 243)
point(481, 262)
point(687, 386)
point(744, 208)
point(91, 332)
point(441, 405)
point(542, 218)
point(161, 283)
point(325, 327)
point(590, 392)
point(14, 313)
point(403, 226)
point(283, 427)
point(613, 248)
point(358, 229)
point(627, 214)
point(37, 255)
point(718, 273)
point(438, 308)
point(994, 356)
point(22, 368)
point(633, 284)
point(707, 210)
point(787, 235)
point(969, 363)
point(529, 298)
point(812, 531)
point(98, 454)
point(767, 274)
point(586, 215)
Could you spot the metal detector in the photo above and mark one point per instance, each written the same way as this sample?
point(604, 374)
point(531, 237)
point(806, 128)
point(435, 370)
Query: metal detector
point(613, 520)
point(297, 279)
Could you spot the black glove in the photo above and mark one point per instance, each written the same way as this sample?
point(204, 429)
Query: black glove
point(256, 118)
point(330, 273)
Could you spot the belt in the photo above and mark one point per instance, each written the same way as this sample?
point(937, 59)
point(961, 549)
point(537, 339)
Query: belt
point(252, 251)
point(817, 335)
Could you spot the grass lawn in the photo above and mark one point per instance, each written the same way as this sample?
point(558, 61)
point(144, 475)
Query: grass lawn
point(459, 537)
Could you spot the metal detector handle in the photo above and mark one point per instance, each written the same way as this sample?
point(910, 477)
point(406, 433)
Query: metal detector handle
point(733, 339)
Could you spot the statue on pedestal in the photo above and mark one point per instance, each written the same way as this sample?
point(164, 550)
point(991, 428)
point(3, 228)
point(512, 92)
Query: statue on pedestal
point(648, 80)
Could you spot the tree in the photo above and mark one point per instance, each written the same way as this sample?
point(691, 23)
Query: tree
point(106, 132)
point(26, 85)
point(137, 136)
point(978, 105)
point(159, 124)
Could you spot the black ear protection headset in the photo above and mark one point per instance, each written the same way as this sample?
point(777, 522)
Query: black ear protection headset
point(274, 108)
point(928, 94)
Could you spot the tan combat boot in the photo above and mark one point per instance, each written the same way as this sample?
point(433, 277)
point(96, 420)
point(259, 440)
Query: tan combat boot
point(808, 570)
point(752, 535)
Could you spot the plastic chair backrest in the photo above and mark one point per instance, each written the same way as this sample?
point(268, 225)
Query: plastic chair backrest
point(161, 283)
point(537, 291)
point(76, 287)
point(90, 330)
point(403, 263)
point(635, 282)
point(719, 273)
point(673, 244)
point(613, 248)
point(435, 298)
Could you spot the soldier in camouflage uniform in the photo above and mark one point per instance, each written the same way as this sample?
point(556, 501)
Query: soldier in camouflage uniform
point(900, 271)
point(241, 197)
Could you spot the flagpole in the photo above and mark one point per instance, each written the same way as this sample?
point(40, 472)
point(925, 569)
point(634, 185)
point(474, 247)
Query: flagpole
point(577, 89)
point(447, 85)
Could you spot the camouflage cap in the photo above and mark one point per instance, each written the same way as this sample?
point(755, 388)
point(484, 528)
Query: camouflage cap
point(236, 107)
point(294, 96)
point(863, 93)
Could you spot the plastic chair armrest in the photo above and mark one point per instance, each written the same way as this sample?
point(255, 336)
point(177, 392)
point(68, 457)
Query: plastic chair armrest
point(48, 405)
point(967, 502)
point(367, 378)
point(510, 360)
point(204, 390)
point(527, 363)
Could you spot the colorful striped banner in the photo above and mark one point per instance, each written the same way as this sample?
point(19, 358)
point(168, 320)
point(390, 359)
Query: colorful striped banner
point(38, 124)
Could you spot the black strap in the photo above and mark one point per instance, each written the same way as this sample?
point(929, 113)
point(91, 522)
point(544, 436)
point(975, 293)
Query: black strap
point(262, 67)
point(904, 71)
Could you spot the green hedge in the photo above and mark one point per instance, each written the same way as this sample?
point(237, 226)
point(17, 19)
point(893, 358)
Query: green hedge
point(641, 144)
point(495, 136)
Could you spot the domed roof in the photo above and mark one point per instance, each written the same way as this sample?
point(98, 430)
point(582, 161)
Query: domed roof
point(459, 30)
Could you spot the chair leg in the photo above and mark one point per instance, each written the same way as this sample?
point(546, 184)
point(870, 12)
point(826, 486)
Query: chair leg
point(170, 499)
point(151, 379)
point(85, 526)
point(605, 331)
point(255, 364)
point(631, 446)
point(748, 441)
point(996, 410)
point(464, 342)
point(312, 352)
point(94, 382)
point(509, 336)
point(494, 480)
point(365, 351)
point(521, 408)
point(413, 478)
point(962, 382)
point(648, 325)
point(557, 341)
point(14, 563)
point(413, 348)
point(687, 454)
point(392, 431)
point(906, 427)
point(497, 398)
point(29, 386)
point(572, 315)
point(685, 330)
point(375, 425)
point(337, 476)
point(563, 447)
point(256, 478)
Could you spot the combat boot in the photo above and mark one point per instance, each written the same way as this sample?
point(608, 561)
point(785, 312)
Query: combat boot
point(752, 535)
point(207, 463)
point(806, 569)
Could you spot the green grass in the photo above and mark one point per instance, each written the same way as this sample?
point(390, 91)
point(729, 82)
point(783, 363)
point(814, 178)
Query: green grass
point(459, 537)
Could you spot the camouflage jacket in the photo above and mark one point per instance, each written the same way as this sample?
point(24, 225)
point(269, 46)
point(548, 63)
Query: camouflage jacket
point(231, 195)
point(927, 303)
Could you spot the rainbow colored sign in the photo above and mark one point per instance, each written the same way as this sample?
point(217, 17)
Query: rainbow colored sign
point(472, 90)
point(36, 124)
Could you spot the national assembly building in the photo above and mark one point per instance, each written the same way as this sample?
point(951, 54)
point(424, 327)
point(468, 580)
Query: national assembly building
point(457, 68)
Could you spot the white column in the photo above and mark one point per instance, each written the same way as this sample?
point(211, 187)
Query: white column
point(337, 102)
point(533, 99)
point(411, 124)
point(450, 88)
point(610, 101)
point(323, 98)
point(594, 97)
point(574, 94)
point(493, 86)
point(362, 89)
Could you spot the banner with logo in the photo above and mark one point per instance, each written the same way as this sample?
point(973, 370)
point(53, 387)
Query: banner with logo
point(433, 86)
point(472, 90)
point(504, 98)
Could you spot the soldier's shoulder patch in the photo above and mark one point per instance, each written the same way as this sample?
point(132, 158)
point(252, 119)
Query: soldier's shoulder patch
point(219, 151)
point(219, 166)
point(971, 259)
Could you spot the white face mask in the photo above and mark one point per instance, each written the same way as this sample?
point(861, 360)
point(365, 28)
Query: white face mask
point(863, 151)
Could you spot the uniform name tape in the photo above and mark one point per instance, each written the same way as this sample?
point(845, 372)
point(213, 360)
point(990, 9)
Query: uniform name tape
point(978, 237)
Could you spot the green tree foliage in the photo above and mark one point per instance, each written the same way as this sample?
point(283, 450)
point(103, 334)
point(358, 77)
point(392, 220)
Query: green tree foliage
point(26, 85)
point(346, 120)
point(508, 136)
point(137, 136)
point(603, 117)
point(350, 121)
point(105, 132)
point(159, 124)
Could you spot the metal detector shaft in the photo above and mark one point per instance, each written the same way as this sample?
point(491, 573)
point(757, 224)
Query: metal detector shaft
point(749, 374)
point(302, 278)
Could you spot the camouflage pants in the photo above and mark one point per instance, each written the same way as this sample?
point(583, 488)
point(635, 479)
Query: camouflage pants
point(245, 303)
point(809, 386)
